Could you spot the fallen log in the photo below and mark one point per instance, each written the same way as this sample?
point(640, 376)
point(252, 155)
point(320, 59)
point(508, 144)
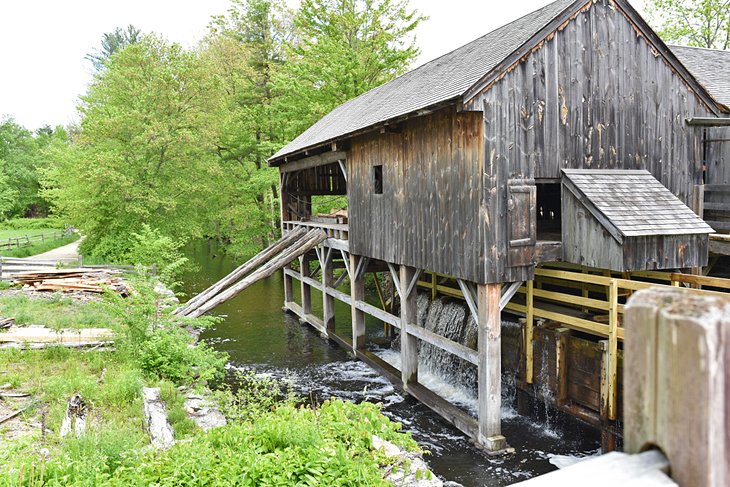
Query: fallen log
point(241, 271)
point(304, 245)
point(6, 323)
point(160, 431)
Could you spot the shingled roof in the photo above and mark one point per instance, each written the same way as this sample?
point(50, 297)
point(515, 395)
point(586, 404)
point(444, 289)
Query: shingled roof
point(711, 67)
point(440, 80)
point(633, 202)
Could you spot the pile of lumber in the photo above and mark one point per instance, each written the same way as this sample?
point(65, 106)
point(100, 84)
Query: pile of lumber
point(73, 280)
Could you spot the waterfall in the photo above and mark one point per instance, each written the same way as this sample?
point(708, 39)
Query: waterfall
point(449, 375)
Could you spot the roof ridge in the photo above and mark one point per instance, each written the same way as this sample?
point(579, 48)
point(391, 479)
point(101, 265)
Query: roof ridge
point(672, 46)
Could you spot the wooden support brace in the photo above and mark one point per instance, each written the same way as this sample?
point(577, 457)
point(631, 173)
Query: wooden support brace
point(508, 293)
point(469, 296)
point(343, 168)
point(612, 349)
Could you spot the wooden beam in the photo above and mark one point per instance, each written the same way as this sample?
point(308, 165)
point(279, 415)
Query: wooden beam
point(708, 122)
point(508, 292)
point(343, 168)
point(313, 161)
point(490, 368)
point(328, 302)
point(408, 318)
point(306, 289)
point(357, 292)
point(469, 296)
point(529, 322)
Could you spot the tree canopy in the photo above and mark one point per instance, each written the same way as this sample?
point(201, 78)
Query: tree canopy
point(174, 141)
point(697, 23)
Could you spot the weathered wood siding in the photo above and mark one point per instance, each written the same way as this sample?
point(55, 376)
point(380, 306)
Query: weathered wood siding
point(587, 242)
point(595, 95)
point(717, 153)
point(427, 216)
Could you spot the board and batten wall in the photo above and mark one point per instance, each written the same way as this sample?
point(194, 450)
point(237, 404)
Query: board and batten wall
point(594, 95)
point(428, 213)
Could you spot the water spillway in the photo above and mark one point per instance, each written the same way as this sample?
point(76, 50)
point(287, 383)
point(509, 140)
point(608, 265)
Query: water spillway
point(259, 336)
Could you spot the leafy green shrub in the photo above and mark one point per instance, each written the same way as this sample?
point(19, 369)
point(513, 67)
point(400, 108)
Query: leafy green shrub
point(156, 342)
point(32, 224)
point(150, 247)
point(167, 354)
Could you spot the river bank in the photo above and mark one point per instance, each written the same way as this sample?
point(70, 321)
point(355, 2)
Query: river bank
point(281, 442)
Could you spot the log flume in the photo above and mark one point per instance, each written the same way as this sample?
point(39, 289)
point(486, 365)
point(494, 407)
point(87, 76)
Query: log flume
point(263, 265)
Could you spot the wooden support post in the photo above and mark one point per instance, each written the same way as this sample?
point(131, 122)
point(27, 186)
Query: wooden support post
point(490, 367)
point(434, 286)
point(529, 323)
point(612, 348)
point(288, 287)
point(357, 292)
point(408, 318)
point(562, 335)
point(305, 271)
point(328, 301)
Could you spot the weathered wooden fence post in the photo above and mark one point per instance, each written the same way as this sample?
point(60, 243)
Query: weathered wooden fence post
point(677, 382)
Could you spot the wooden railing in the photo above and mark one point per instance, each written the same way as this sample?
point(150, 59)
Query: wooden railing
point(339, 231)
point(28, 240)
point(596, 308)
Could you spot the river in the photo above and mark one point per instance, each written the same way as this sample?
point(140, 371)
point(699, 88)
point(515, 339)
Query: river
point(258, 335)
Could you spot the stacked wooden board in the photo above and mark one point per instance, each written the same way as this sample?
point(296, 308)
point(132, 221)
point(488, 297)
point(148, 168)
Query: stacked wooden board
point(73, 280)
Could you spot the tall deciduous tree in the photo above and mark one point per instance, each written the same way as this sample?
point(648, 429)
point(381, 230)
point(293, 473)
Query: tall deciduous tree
point(343, 48)
point(21, 159)
point(144, 152)
point(698, 23)
point(245, 49)
point(112, 42)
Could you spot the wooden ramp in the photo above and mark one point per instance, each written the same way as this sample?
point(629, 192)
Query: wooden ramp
point(294, 244)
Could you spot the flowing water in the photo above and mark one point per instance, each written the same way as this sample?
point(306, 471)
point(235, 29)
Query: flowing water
point(259, 336)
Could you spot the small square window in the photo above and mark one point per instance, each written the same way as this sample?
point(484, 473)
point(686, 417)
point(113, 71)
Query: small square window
point(378, 179)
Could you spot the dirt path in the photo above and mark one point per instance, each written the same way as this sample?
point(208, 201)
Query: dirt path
point(66, 252)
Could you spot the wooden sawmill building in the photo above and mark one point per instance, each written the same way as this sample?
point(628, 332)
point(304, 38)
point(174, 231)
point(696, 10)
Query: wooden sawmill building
point(572, 135)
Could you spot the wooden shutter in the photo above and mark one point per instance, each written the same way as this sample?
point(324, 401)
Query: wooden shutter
point(521, 224)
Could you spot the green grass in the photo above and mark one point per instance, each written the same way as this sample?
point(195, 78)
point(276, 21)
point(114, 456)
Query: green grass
point(40, 247)
point(56, 312)
point(270, 441)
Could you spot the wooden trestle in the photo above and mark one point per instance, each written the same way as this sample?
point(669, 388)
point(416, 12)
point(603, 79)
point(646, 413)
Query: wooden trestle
point(561, 293)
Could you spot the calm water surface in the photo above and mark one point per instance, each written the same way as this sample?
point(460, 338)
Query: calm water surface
point(258, 335)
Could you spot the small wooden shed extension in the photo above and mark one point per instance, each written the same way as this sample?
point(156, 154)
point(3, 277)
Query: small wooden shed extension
point(626, 220)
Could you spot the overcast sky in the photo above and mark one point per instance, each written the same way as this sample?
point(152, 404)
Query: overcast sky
point(43, 42)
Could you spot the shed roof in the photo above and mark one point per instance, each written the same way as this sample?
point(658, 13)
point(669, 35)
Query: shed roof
point(711, 67)
point(440, 80)
point(633, 202)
